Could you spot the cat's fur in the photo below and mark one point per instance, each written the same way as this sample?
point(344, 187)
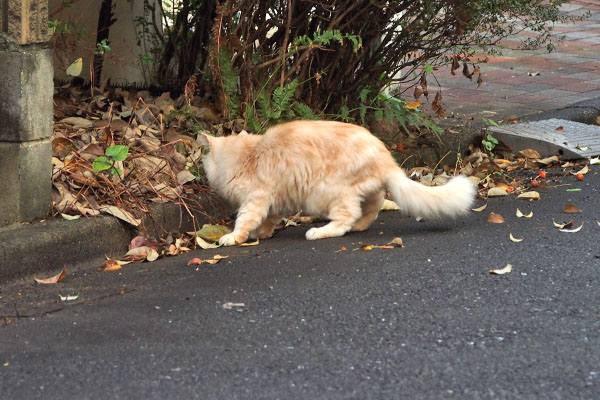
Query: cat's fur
point(322, 168)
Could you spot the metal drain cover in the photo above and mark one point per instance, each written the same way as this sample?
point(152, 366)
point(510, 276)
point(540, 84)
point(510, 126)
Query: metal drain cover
point(572, 140)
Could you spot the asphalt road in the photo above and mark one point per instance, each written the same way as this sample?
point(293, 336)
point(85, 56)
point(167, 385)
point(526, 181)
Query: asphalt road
point(426, 321)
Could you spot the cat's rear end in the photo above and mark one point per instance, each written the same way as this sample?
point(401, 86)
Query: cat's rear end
point(324, 168)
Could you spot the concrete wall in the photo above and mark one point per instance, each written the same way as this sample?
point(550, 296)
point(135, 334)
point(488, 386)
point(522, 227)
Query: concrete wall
point(26, 91)
point(121, 63)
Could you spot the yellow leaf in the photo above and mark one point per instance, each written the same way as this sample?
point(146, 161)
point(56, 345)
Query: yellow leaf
point(521, 215)
point(502, 271)
point(204, 244)
point(389, 205)
point(514, 239)
point(573, 230)
point(411, 105)
point(496, 192)
point(532, 195)
point(213, 233)
point(255, 243)
point(479, 209)
point(75, 68)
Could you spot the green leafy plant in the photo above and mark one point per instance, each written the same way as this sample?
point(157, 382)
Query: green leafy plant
point(490, 141)
point(112, 155)
point(102, 47)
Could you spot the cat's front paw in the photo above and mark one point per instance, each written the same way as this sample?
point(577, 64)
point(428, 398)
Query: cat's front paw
point(313, 234)
point(227, 240)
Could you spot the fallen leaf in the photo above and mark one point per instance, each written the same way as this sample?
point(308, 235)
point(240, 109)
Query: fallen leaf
point(195, 261)
point(530, 153)
point(343, 248)
point(561, 226)
point(229, 305)
point(572, 209)
point(502, 271)
point(560, 128)
point(497, 192)
point(479, 209)
point(54, 279)
point(255, 243)
point(411, 105)
point(204, 244)
point(219, 257)
point(582, 171)
point(595, 161)
point(495, 218)
point(110, 265)
point(77, 122)
point(396, 242)
point(389, 205)
point(212, 233)
point(548, 160)
point(121, 214)
point(532, 195)
point(68, 298)
point(521, 215)
point(572, 230)
point(514, 239)
point(140, 241)
point(70, 217)
point(141, 253)
point(185, 176)
point(533, 73)
point(502, 162)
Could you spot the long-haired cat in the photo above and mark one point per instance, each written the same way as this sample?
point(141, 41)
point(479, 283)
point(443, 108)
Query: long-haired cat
point(321, 168)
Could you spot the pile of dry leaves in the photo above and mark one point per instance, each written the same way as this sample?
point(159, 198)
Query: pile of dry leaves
point(161, 165)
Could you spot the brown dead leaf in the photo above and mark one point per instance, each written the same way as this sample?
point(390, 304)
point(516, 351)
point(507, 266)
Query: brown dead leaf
point(466, 72)
point(563, 225)
point(560, 128)
point(572, 209)
point(530, 153)
point(455, 65)
point(140, 241)
point(141, 253)
point(195, 261)
point(53, 279)
point(480, 80)
point(110, 265)
point(396, 242)
point(494, 218)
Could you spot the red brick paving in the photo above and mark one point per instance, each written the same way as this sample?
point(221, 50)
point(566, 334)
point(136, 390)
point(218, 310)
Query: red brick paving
point(508, 71)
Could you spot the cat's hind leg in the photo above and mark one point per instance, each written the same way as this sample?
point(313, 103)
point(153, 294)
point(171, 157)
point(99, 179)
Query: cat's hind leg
point(343, 215)
point(249, 217)
point(370, 209)
point(266, 229)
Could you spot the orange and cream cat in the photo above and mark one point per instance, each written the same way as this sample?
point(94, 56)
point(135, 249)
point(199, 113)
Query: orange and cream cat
point(321, 168)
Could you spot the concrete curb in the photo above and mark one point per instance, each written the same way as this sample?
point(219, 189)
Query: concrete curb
point(42, 247)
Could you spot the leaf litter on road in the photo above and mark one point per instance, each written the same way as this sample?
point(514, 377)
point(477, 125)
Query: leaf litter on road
point(521, 215)
point(502, 271)
point(514, 239)
point(53, 279)
point(494, 218)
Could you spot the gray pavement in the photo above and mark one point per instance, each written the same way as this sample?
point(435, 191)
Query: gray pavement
point(422, 322)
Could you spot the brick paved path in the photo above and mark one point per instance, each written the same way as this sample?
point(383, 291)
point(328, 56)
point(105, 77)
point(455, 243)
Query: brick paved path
point(569, 74)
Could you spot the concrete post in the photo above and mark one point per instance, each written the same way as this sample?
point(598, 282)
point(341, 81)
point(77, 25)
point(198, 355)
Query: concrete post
point(26, 110)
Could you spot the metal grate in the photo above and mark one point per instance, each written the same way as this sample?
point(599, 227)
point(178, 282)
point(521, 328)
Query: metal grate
point(572, 140)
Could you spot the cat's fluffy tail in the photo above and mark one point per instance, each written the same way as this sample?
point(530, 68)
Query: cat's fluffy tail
point(449, 200)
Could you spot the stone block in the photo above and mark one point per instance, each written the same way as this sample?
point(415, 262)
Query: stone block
point(24, 21)
point(25, 182)
point(26, 90)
